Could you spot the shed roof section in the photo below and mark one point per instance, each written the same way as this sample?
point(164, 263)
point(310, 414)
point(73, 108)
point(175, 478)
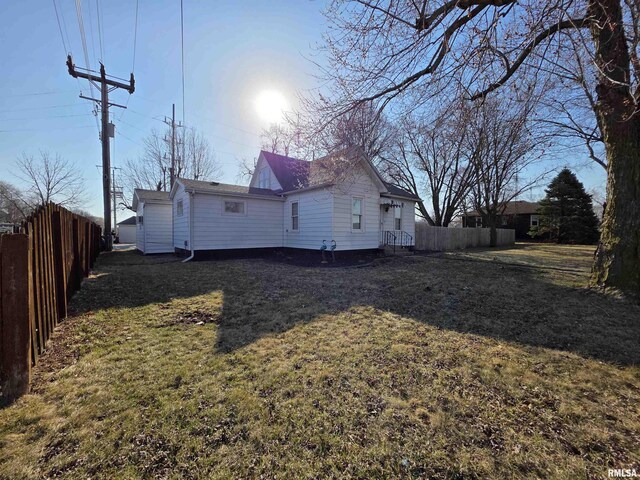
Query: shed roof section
point(396, 191)
point(225, 188)
point(128, 221)
point(142, 195)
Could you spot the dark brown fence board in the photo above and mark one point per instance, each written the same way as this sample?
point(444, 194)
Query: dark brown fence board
point(39, 270)
point(15, 355)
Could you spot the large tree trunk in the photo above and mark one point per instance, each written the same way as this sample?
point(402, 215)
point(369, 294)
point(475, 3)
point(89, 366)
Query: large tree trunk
point(617, 260)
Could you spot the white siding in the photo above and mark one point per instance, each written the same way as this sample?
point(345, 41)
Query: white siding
point(127, 233)
point(273, 181)
point(408, 217)
point(361, 185)
point(157, 228)
point(140, 227)
point(314, 219)
point(260, 227)
point(181, 223)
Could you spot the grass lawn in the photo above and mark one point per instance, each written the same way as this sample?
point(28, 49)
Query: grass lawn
point(488, 364)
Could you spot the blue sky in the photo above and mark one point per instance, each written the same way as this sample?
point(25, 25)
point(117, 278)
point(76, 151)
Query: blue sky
point(233, 51)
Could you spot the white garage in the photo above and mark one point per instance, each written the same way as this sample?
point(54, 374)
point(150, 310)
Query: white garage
point(127, 230)
point(154, 232)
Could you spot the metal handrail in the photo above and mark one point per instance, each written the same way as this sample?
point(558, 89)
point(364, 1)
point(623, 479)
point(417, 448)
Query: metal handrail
point(390, 237)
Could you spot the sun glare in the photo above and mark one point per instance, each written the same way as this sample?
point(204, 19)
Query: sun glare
point(271, 105)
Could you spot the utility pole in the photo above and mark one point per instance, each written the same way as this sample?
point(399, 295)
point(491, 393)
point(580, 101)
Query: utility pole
point(173, 142)
point(103, 83)
point(115, 194)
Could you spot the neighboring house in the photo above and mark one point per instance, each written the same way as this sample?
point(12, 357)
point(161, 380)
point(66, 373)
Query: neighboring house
point(127, 230)
point(294, 204)
point(153, 221)
point(517, 215)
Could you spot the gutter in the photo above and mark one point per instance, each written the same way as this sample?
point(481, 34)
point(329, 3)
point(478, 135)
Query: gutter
point(193, 252)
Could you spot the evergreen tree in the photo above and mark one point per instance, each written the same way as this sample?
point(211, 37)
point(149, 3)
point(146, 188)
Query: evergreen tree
point(566, 214)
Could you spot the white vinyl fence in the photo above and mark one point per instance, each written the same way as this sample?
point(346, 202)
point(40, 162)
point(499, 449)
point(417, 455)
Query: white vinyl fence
point(444, 238)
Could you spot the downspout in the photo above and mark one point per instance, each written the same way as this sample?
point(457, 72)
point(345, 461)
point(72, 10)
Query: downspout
point(193, 252)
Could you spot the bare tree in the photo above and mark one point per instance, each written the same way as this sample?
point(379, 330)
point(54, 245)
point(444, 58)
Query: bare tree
point(14, 208)
point(280, 139)
point(199, 158)
point(386, 50)
point(504, 145)
point(50, 178)
point(433, 156)
point(194, 159)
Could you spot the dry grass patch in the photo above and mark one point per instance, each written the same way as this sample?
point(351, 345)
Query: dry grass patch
point(420, 367)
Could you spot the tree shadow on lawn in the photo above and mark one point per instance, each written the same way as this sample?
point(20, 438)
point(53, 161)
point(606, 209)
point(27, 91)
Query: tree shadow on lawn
point(499, 301)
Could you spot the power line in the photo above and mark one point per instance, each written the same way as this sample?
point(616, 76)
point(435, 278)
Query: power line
point(64, 45)
point(182, 44)
point(84, 48)
point(102, 59)
point(135, 40)
point(47, 107)
point(133, 63)
point(44, 118)
point(45, 128)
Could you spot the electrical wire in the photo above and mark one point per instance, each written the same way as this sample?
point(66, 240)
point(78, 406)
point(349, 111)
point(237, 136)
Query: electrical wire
point(135, 40)
point(98, 8)
point(64, 45)
point(133, 63)
point(182, 44)
point(84, 48)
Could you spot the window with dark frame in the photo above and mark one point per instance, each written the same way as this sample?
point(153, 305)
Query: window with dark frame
point(294, 216)
point(356, 214)
point(397, 218)
point(232, 207)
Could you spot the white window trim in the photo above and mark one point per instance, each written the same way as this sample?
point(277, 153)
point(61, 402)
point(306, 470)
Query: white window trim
point(531, 220)
point(399, 217)
point(297, 216)
point(361, 229)
point(180, 208)
point(232, 214)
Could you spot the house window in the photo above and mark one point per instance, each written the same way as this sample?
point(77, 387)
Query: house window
point(180, 208)
point(504, 221)
point(140, 220)
point(534, 220)
point(397, 218)
point(356, 214)
point(263, 178)
point(294, 216)
point(478, 221)
point(235, 208)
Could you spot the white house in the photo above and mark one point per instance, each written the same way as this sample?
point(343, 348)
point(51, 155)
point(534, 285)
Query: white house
point(127, 230)
point(153, 221)
point(339, 200)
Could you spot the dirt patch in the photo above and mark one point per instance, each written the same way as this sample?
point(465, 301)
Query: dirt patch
point(193, 317)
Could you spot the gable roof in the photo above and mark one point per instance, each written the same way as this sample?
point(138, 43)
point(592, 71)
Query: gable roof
point(291, 173)
point(396, 191)
point(294, 174)
point(142, 195)
point(128, 221)
point(226, 188)
point(517, 207)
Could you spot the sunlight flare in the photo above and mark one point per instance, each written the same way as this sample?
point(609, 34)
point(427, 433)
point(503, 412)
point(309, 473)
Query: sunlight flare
point(271, 106)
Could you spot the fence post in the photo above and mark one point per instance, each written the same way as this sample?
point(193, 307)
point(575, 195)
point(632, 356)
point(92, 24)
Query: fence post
point(15, 324)
point(59, 265)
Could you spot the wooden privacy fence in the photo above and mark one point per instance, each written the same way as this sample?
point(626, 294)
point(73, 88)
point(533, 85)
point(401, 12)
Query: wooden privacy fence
point(40, 269)
point(444, 238)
